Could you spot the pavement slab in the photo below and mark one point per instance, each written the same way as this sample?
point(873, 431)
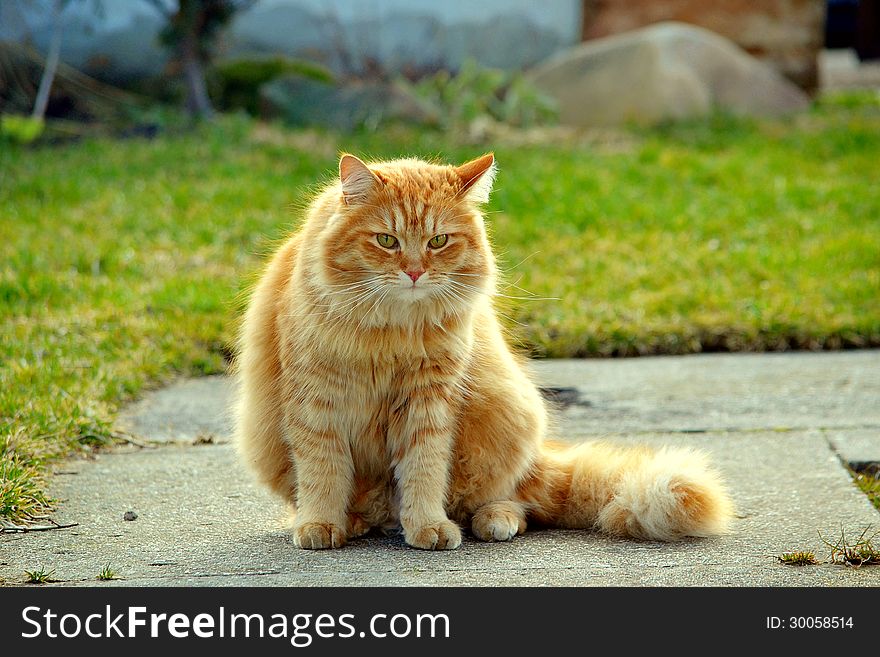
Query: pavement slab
point(778, 426)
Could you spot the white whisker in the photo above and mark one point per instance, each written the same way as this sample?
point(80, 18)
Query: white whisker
point(379, 300)
point(343, 310)
point(495, 293)
point(528, 257)
point(355, 284)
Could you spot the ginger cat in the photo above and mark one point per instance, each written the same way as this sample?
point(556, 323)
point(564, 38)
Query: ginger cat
point(376, 387)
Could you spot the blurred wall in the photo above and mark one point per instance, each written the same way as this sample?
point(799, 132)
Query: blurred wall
point(788, 34)
point(350, 36)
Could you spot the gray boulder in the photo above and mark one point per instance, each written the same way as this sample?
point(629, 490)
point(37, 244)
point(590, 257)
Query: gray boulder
point(666, 71)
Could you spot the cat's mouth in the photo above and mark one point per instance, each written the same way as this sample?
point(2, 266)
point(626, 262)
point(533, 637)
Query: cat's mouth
point(414, 291)
point(415, 285)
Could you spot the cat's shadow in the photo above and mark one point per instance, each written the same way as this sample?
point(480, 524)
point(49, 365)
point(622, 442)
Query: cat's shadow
point(538, 548)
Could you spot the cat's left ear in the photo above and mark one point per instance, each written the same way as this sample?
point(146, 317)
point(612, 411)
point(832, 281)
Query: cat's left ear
point(477, 177)
point(358, 182)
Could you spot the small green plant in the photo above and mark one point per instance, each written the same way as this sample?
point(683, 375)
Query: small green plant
point(21, 129)
point(107, 574)
point(861, 552)
point(798, 558)
point(40, 576)
point(477, 92)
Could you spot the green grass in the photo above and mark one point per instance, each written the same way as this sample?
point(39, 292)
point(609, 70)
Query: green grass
point(122, 263)
point(857, 552)
point(39, 576)
point(868, 481)
point(798, 558)
point(107, 574)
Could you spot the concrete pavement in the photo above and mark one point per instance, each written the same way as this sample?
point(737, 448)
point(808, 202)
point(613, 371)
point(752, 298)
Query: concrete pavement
point(779, 426)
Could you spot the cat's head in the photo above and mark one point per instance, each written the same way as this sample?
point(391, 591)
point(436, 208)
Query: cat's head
point(406, 235)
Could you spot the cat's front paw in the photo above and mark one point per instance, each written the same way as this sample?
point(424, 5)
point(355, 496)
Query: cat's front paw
point(443, 535)
point(318, 536)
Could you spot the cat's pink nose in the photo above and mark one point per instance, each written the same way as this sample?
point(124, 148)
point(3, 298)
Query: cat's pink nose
point(414, 275)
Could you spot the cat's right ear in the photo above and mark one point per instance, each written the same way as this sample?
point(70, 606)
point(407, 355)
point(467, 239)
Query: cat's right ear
point(358, 182)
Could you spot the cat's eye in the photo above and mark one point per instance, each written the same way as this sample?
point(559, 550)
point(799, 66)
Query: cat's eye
point(388, 241)
point(438, 241)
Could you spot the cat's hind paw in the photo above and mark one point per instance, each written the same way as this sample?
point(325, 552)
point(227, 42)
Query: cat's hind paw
point(444, 535)
point(498, 521)
point(318, 536)
point(357, 526)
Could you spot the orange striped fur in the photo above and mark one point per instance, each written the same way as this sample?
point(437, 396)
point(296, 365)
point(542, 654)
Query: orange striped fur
point(376, 387)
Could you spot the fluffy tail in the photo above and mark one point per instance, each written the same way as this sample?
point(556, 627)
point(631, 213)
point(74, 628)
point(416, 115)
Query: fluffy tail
point(637, 492)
